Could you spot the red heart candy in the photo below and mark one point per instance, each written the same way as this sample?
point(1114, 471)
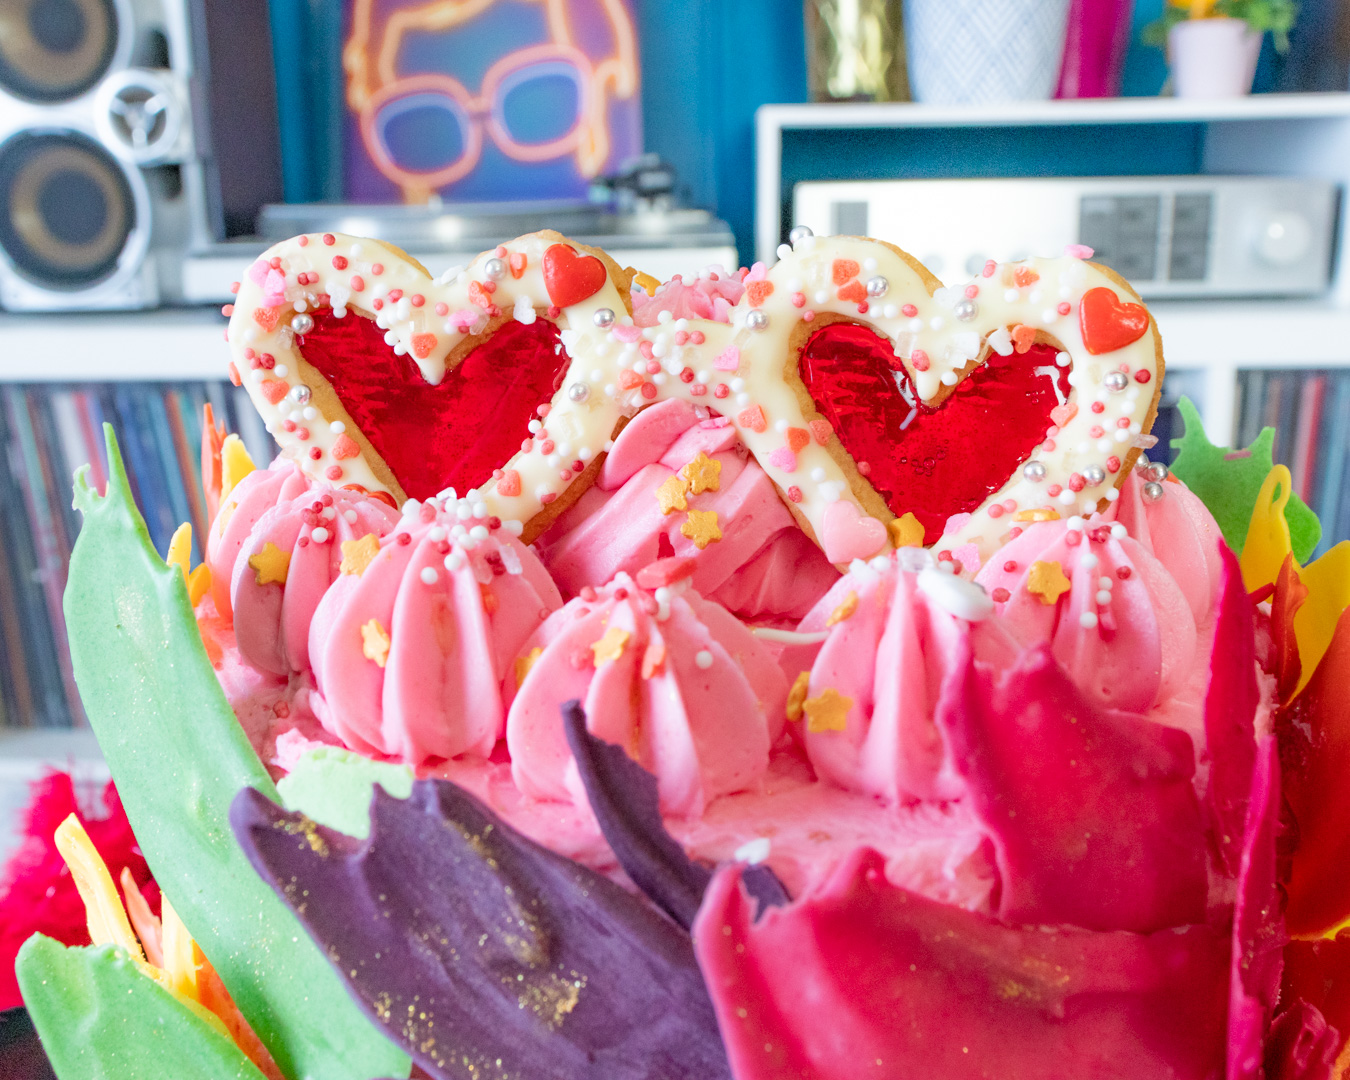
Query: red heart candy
point(842, 270)
point(571, 278)
point(938, 461)
point(1107, 324)
point(453, 434)
point(758, 292)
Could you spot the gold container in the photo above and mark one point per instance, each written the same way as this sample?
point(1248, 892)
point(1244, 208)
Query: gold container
point(855, 50)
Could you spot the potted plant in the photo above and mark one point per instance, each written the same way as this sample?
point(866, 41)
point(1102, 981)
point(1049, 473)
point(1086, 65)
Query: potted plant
point(1213, 44)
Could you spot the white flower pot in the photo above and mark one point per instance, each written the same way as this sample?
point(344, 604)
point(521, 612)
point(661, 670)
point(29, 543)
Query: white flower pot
point(1213, 58)
point(973, 52)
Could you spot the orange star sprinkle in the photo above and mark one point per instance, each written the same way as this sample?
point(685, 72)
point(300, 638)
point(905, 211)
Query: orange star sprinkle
point(906, 531)
point(375, 642)
point(670, 496)
point(703, 474)
point(524, 663)
point(845, 609)
point(611, 646)
point(1047, 581)
point(358, 554)
point(270, 564)
point(828, 712)
point(797, 695)
point(701, 528)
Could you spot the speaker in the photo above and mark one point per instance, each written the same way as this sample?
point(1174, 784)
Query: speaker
point(131, 132)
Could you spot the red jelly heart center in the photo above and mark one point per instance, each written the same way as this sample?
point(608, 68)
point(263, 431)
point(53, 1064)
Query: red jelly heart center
point(453, 434)
point(940, 461)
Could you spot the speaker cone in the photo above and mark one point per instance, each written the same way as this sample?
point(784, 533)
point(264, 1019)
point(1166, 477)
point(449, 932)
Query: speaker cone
point(66, 209)
point(53, 50)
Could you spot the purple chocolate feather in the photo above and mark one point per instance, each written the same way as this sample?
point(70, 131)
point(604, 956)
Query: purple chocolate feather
point(626, 802)
point(484, 954)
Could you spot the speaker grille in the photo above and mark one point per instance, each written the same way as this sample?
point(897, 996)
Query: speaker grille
point(54, 50)
point(66, 209)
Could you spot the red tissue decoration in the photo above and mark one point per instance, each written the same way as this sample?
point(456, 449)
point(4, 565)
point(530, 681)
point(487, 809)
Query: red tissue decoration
point(570, 277)
point(38, 894)
point(862, 978)
point(1107, 324)
point(453, 434)
point(938, 461)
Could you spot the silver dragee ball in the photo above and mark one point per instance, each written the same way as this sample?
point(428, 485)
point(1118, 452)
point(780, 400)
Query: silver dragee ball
point(798, 234)
point(1034, 471)
point(494, 269)
point(1153, 491)
point(603, 318)
point(578, 392)
point(1116, 381)
point(1094, 475)
point(877, 286)
point(302, 324)
point(301, 394)
point(757, 320)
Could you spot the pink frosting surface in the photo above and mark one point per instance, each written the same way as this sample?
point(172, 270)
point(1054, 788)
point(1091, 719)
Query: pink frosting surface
point(763, 567)
point(272, 620)
point(672, 677)
point(454, 611)
point(711, 296)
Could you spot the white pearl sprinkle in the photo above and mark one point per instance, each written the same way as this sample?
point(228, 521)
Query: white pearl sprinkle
point(455, 560)
point(1087, 620)
point(478, 532)
point(337, 427)
point(1088, 561)
point(822, 296)
point(818, 475)
point(1119, 532)
point(429, 575)
point(703, 658)
point(1105, 582)
point(1111, 496)
point(319, 535)
point(1103, 597)
point(280, 371)
point(437, 533)
point(1066, 498)
point(349, 516)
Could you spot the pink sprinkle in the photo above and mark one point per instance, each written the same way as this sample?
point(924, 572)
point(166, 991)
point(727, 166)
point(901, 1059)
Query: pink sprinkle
point(808, 315)
point(377, 269)
point(333, 472)
point(1048, 445)
point(1064, 307)
point(1113, 464)
point(721, 390)
point(645, 348)
point(989, 267)
point(729, 359)
point(653, 366)
point(526, 445)
point(1000, 595)
point(546, 447)
point(681, 336)
point(697, 390)
point(919, 359)
point(972, 291)
point(339, 262)
point(442, 309)
point(418, 300)
point(1073, 538)
point(544, 409)
point(626, 333)
point(783, 458)
point(794, 494)
point(648, 390)
point(996, 511)
point(1010, 505)
point(565, 474)
point(798, 299)
point(686, 374)
point(315, 453)
point(909, 311)
point(1053, 490)
point(1078, 251)
point(329, 239)
point(1095, 431)
point(303, 241)
point(358, 283)
point(1123, 422)
point(548, 497)
point(696, 337)
point(500, 251)
point(302, 434)
point(1076, 482)
point(1098, 407)
point(1142, 376)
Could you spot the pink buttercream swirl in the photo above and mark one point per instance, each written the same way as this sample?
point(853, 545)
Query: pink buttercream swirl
point(239, 511)
point(271, 618)
point(674, 678)
point(763, 566)
point(710, 296)
point(409, 654)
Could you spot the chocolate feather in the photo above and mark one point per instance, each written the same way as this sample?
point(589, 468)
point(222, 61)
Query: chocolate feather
point(626, 802)
point(484, 954)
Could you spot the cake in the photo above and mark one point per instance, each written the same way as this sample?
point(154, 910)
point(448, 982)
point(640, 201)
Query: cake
point(788, 673)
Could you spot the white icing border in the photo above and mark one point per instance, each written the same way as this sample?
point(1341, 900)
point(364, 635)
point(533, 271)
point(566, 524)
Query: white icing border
point(601, 356)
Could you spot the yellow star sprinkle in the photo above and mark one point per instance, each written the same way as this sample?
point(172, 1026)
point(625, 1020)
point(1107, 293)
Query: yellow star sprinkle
point(845, 609)
point(358, 554)
point(906, 531)
point(828, 712)
point(1041, 513)
point(270, 564)
point(1047, 581)
point(375, 642)
point(646, 283)
point(701, 528)
point(524, 663)
point(797, 695)
point(703, 474)
point(670, 495)
point(610, 647)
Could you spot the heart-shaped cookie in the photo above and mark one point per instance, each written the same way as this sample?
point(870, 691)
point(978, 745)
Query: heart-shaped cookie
point(1053, 401)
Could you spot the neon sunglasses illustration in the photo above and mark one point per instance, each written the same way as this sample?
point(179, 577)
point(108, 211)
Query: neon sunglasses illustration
point(384, 100)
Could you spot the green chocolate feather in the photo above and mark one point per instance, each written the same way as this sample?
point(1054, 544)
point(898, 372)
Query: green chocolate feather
point(179, 756)
point(1228, 482)
point(101, 1018)
point(333, 787)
